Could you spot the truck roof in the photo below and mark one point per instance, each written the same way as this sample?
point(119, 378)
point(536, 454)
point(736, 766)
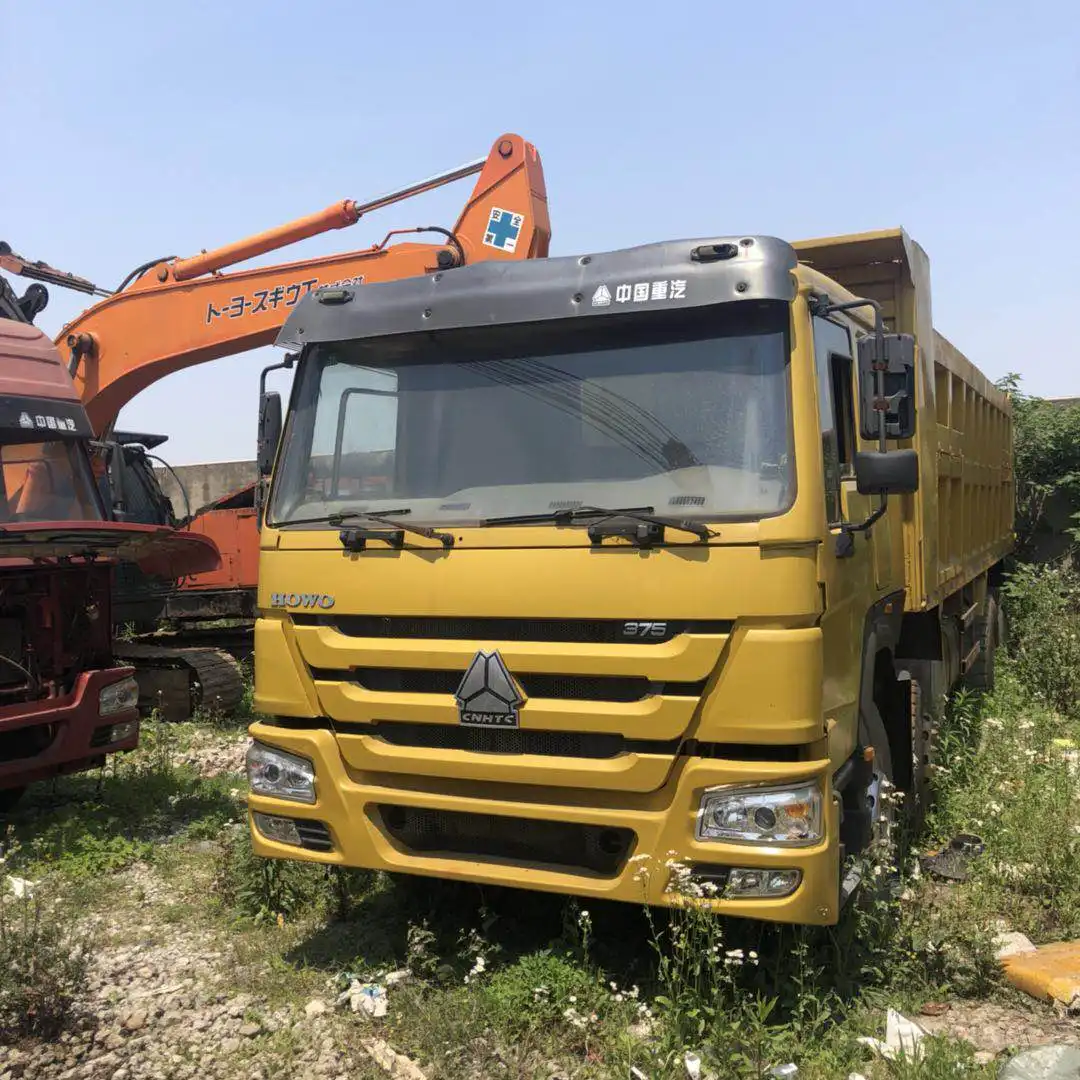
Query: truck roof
point(31, 365)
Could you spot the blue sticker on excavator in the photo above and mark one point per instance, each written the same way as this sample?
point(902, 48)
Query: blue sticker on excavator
point(503, 229)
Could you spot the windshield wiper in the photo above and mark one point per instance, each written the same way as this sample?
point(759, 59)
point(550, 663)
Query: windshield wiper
point(356, 539)
point(652, 533)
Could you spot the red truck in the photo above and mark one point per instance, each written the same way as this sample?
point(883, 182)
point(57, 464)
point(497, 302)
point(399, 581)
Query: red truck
point(64, 701)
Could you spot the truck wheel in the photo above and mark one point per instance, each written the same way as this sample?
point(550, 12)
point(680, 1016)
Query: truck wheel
point(987, 630)
point(9, 797)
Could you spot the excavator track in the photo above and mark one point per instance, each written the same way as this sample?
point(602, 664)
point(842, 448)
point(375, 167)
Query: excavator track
point(178, 681)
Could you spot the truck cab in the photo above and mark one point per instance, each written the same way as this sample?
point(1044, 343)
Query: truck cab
point(64, 701)
point(614, 574)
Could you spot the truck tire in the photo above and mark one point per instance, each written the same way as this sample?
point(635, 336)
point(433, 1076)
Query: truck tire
point(987, 631)
point(9, 797)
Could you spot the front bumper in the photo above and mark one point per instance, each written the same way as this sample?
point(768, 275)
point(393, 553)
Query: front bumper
point(72, 734)
point(662, 821)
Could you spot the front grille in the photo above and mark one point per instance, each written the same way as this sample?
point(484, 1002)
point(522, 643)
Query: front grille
point(560, 687)
point(581, 631)
point(314, 835)
point(591, 849)
point(26, 742)
point(494, 741)
point(572, 687)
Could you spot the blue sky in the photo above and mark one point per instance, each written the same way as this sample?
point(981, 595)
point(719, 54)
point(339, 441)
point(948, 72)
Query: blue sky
point(138, 130)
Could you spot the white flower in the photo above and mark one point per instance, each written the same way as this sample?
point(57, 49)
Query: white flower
point(477, 969)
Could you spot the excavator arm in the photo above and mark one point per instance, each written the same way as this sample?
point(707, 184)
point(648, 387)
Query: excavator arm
point(175, 313)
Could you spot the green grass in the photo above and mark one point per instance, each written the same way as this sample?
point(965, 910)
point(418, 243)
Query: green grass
point(90, 824)
point(1014, 780)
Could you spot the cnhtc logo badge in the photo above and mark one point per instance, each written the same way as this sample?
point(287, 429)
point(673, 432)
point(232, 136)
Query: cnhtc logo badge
point(503, 229)
point(488, 695)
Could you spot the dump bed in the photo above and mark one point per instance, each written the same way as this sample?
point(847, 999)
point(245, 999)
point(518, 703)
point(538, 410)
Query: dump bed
point(961, 520)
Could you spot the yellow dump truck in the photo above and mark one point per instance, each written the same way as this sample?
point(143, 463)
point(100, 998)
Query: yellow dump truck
point(577, 566)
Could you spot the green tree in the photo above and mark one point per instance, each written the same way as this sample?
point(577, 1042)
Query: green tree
point(1046, 454)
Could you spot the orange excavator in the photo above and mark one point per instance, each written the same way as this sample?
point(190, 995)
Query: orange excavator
point(172, 313)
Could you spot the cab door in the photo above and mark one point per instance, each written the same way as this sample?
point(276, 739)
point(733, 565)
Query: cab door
point(847, 562)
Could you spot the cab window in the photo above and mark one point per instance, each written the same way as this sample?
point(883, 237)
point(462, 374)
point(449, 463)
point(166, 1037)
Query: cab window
point(836, 404)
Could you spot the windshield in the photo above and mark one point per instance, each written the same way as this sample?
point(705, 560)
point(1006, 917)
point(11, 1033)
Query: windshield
point(46, 481)
point(686, 412)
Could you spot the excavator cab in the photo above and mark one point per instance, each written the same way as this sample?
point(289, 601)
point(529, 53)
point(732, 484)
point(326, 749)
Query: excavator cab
point(128, 475)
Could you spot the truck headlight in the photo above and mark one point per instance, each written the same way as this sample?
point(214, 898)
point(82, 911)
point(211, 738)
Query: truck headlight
point(771, 815)
point(280, 775)
point(118, 697)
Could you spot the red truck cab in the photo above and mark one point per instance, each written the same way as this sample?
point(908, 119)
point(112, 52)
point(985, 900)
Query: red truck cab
point(64, 702)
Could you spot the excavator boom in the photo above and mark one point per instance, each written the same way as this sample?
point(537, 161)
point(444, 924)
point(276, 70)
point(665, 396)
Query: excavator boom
point(181, 312)
point(172, 313)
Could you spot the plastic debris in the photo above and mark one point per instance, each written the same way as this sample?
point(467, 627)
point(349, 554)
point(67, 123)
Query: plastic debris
point(855, 1076)
point(1050, 972)
point(368, 998)
point(902, 1036)
point(951, 863)
point(20, 888)
point(692, 1064)
point(397, 978)
point(784, 1072)
point(637, 1074)
point(1051, 1062)
point(1012, 943)
point(390, 1061)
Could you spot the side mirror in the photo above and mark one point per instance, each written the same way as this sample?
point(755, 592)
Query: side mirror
point(269, 430)
point(899, 379)
point(893, 473)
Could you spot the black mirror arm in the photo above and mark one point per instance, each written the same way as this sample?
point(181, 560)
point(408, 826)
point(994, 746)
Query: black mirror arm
point(286, 364)
point(847, 530)
point(862, 526)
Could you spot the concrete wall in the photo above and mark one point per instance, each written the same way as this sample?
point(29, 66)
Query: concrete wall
point(205, 483)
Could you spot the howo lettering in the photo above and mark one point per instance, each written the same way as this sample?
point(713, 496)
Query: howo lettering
point(731, 542)
point(305, 600)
